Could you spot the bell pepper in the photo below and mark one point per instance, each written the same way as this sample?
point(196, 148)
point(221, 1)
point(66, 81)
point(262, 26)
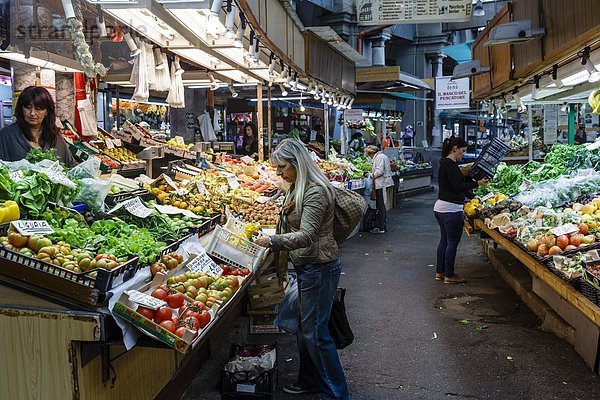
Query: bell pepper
point(9, 211)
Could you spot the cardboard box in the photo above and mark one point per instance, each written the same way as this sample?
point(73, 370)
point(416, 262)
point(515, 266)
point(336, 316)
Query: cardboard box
point(265, 291)
point(262, 322)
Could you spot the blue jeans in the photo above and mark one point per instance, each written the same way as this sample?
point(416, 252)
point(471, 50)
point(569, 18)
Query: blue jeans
point(451, 227)
point(320, 367)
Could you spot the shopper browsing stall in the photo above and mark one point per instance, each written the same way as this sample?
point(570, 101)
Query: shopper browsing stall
point(35, 128)
point(448, 209)
point(250, 142)
point(306, 231)
point(382, 179)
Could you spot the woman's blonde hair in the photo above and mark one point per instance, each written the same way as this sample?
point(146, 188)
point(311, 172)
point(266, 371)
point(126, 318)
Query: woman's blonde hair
point(370, 150)
point(307, 171)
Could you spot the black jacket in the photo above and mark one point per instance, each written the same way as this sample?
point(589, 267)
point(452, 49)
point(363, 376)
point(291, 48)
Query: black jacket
point(14, 146)
point(453, 184)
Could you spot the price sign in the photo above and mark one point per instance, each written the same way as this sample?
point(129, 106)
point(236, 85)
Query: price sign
point(145, 300)
point(169, 181)
point(179, 140)
point(174, 210)
point(487, 196)
point(56, 175)
point(137, 208)
point(247, 159)
point(16, 176)
point(262, 199)
point(233, 181)
point(201, 188)
point(564, 229)
point(203, 263)
point(28, 228)
point(526, 185)
point(118, 142)
point(109, 144)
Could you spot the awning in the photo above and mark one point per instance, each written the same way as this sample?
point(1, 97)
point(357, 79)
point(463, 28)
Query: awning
point(389, 79)
point(461, 53)
point(406, 96)
point(335, 41)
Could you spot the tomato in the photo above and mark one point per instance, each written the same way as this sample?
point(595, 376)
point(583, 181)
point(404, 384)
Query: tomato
point(175, 300)
point(160, 294)
point(204, 318)
point(543, 250)
point(168, 325)
point(180, 331)
point(584, 228)
point(157, 267)
point(175, 320)
point(162, 314)
point(588, 239)
point(570, 247)
point(201, 306)
point(146, 312)
point(562, 241)
point(554, 250)
point(576, 239)
point(192, 323)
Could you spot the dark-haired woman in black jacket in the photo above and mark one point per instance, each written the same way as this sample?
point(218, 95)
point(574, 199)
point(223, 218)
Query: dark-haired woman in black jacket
point(448, 209)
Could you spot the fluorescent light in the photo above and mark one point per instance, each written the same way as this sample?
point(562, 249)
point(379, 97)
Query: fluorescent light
point(279, 98)
point(202, 58)
point(237, 76)
point(44, 59)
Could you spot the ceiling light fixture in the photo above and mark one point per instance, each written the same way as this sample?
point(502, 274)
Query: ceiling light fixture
point(302, 108)
point(131, 44)
point(559, 83)
point(589, 66)
point(520, 106)
point(285, 72)
point(213, 82)
point(234, 94)
point(272, 63)
point(478, 10)
point(230, 21)
point(564, 107)
point(283, 91)
point(238, 41)
point(213, 24)
point(536, 85)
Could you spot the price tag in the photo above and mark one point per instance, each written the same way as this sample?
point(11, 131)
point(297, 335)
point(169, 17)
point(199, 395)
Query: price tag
point(564, 229)
point(179, 140)
point(137, 208)
point(233, 181)
point(262, 199)
point(145, 300)
point(203, 263)
point(28, 228)
point(247, 159)
point(201, 188)
point(118, 142)
point(526, 185)
point(56, 175)
point(170, 181)
point(487, 196)
point(16, 176)
point(169, 210)
point(109, 144)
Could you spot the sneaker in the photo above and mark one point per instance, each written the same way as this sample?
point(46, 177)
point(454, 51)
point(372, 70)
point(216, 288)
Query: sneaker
point(295, 388)
point(454, 279)
point(377, 230)
point(439, 277)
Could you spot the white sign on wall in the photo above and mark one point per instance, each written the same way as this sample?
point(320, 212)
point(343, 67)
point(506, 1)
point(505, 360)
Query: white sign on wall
point(550, 123)
point(354, 115)
point(452, 94)
point(380, 12)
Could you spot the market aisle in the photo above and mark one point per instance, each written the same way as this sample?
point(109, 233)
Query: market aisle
point(409, 343)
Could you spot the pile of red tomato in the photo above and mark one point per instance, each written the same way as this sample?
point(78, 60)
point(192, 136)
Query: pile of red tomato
point(229, 270)
point(178, 316)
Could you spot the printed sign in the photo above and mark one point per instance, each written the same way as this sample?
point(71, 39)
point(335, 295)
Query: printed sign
point(564, 229)
point(203, 263)
point(354, 116)
point(452, 94)
point(382, 12)
point(16, 176)
point(134, 206)
point(233, 181)
point(28, 228)
point(201, 188)
point(109, 144)
point(145, 300)
point(166, 209)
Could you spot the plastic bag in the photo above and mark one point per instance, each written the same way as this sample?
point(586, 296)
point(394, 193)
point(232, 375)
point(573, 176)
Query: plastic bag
point(287, 318)
point(368, 186)
point(90, 168)
point(92, 192)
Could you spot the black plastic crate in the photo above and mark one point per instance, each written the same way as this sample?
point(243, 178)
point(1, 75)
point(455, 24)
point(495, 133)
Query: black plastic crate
point(114, 199)
point(249, 385)
point(489, 158)
point(94, 284)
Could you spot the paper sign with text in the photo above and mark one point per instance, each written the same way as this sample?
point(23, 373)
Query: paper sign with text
point(564, 229)
point(233, 181)
point(145, 300)
point(134, 206)
point(28, 228)
point(203, 263)
point(201, 188)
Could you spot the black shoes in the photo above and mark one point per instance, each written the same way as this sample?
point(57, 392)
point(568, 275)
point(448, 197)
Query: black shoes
point(295, 388)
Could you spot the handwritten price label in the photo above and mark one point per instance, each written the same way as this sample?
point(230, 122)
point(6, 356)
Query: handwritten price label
point(233, 182)
point(28, 228)
point(201, 188)
point(16, 176)
point(118, 142)
point(109, 144)
point(145, 300)
point(170, 181)
point(564, 229)
point(137, 208)
point(203, 263)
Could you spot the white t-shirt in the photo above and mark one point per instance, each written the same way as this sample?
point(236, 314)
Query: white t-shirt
point(443, 206)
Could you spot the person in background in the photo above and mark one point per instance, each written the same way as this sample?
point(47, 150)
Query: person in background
point(35, 113)
point(448, 209)
point(306, 231)
point(357, 142)
point(250, 142)
point(318, 134)
point(382, 176)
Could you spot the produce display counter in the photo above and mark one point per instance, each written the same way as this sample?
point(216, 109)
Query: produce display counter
point(52, 351)
point(414, 182)
point(571, 305)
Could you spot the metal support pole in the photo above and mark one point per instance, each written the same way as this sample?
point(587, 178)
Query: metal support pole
point(269, 126)
point(344, 135)
point(259, 122)
point(572, 124)
point(326, 128)
point(530, 131)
